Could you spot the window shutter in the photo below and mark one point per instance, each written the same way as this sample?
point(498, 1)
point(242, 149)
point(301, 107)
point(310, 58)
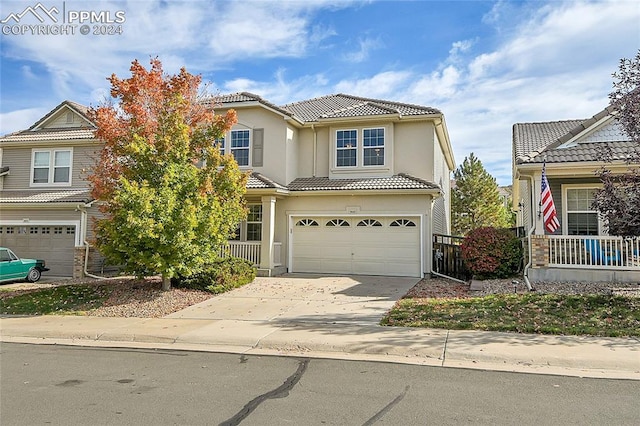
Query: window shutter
point(257, 147)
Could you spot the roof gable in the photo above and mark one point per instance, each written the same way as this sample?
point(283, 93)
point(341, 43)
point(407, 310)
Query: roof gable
point(67, 115)
point(606, 130)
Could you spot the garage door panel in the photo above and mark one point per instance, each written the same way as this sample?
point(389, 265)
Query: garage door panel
point(55, 246)
point(373, 250)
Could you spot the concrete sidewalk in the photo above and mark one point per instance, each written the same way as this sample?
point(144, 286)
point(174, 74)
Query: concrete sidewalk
point(332, 317)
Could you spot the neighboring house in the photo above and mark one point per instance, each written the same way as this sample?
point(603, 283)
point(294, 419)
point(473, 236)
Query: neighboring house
point(339, 184)
point(580, 248)
point(505, 196)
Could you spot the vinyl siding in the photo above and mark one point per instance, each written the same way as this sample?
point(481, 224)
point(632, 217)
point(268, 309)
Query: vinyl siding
point(19, 162)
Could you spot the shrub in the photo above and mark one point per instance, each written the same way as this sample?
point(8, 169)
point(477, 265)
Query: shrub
point(220, 276)
point(492, 253)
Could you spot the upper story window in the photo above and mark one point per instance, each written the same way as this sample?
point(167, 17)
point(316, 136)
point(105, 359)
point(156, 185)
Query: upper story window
point(373, 144)
point(346, 148)
point(581, 219)
point(240, 146)
point(360, 148)
point(51, 167)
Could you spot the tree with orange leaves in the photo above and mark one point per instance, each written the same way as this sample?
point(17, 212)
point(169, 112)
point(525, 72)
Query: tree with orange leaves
point(169, 198)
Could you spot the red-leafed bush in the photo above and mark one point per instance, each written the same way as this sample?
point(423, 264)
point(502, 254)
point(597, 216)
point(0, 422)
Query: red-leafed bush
point(492, 253)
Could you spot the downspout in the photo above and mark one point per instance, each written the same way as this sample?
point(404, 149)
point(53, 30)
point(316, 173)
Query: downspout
point(529, 234)
point(83, 221)
point(315, 148)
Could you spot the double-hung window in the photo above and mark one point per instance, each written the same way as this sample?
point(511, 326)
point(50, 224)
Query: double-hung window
point(373, 143)
point(360, 147)
point(581, 218)
point(240, 146)
point(251, 229)
point(254, 223)
point(51, 167)
point(346, 148)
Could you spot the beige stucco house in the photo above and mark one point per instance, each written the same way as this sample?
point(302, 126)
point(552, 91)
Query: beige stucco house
point(580, 249)
point(339, 185)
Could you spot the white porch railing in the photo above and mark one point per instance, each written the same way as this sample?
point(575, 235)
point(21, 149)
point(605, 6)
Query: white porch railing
point(598, 252)
point(250, 250)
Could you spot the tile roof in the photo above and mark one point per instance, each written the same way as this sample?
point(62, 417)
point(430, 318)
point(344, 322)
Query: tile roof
point(258, 181)
point(594, 151)
point(65, 196)
point(538, 142)
point(341, 105)
point(534, 137)
point(49, 135)
point(400, 181)
point(240, 97)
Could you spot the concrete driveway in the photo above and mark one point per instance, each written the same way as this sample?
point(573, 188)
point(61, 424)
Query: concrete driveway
point(305, 299)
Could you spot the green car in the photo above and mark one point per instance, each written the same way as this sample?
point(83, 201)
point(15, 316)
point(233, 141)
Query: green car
point(12, 268)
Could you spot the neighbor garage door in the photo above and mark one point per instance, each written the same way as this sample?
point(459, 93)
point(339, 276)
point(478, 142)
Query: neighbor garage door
point(357, 245)
point(54, 244)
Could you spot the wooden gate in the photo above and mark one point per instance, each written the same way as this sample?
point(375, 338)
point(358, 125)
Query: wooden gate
point(447, 258)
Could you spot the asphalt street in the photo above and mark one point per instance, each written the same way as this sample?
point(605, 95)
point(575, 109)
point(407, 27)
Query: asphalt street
point(43, 384)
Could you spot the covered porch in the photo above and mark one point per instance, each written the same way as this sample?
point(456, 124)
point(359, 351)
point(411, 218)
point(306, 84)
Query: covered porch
point(584, 258)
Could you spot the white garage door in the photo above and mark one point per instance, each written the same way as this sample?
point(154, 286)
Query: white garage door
point(54, 244)
point(357, 245)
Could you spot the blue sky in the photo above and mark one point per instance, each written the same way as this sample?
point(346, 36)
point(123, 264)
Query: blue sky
point(485, 64)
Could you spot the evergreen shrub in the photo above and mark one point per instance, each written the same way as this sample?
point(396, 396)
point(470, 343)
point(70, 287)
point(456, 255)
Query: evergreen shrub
point(219, 276)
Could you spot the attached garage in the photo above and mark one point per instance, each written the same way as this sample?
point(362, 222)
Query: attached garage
point(53, 243)
point(356, 245)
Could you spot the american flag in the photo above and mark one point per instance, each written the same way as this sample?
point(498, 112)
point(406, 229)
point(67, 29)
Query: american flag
point(551, 222)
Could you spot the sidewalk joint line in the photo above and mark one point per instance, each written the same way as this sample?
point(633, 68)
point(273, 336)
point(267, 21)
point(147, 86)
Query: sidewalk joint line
point(444, 349)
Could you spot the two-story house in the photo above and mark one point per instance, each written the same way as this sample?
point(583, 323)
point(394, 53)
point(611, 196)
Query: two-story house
point(339, 184)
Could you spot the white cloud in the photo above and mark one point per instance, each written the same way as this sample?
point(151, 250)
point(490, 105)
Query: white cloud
point(556, 65)
point(20, 119)
point(383, 85)
point(366, 45)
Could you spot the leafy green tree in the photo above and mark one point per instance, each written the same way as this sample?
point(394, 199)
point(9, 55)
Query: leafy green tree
point(475, 200)
point(618, 201)
point(169, 198)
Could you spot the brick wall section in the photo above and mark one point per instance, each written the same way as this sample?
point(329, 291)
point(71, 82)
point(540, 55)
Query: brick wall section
point(78, 262)
point(539, 251)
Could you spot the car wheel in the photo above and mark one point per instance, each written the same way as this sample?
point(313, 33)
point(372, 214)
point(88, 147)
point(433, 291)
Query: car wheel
point(33, 275)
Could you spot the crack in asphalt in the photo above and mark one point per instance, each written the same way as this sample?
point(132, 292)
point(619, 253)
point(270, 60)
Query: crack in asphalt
point(387, 408)
point(281, 391)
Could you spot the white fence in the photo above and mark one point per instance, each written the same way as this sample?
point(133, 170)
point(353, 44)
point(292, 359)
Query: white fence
point(250, 250)
point(598, 252)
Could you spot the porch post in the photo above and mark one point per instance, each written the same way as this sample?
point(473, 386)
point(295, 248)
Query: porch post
point(538, 219)
point(268, 232)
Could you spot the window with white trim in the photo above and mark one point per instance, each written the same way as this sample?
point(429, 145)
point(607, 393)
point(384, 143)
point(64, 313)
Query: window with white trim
point(240, 146)
point(581, 219)
point(254, 223)
point(373, 147)
point(346, 148)
point(219, 143)
point(307, 222)
point(250, 229)
point(360, 147)
point(51, 167)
